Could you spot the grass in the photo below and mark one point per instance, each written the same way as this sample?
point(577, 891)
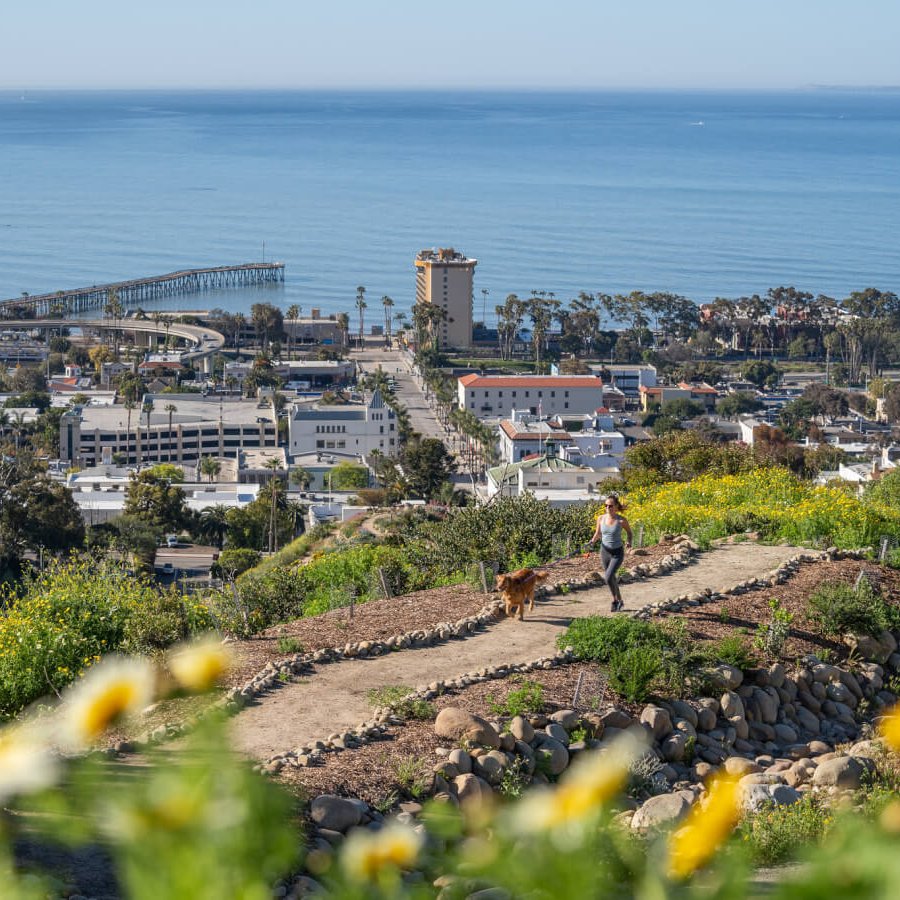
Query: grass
point(289, 645)
point(413, 776)
point(529, 698)
point(396, 698)
point(777, 834)
point(841, 608)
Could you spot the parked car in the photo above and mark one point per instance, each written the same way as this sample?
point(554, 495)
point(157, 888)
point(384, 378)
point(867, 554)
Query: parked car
point(171, 540)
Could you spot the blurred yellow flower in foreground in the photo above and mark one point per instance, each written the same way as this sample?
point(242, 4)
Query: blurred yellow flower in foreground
point(368, 854)
point(116, 688)
point(26, 764)
point(707, 825)
point(198, 667)
point(590, 783)
point(889, 728)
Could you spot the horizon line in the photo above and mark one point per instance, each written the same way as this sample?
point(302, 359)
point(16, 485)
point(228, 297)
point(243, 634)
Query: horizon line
point(396, 88)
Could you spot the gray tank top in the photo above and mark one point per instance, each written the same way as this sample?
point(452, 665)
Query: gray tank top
point(611, 535)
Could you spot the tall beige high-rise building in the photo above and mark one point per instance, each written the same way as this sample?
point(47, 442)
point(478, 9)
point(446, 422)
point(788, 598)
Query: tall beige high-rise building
point(444, 277)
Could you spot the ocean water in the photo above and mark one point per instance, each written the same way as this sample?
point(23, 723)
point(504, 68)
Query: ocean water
point(705, 194)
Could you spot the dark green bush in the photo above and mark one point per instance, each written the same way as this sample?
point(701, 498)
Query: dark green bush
point(837, 609)
point(734, 651)
point(633, 672)
point(597, 638)
point(155, 624)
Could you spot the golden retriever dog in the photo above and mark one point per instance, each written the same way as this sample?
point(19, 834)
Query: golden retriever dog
point(517, 589)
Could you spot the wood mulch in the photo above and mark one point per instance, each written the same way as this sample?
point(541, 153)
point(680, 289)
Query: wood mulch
point(375, 772)
point(380, 619)
point(745, 612)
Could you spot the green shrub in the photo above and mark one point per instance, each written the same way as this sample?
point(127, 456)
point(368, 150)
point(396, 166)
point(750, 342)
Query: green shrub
point(776, 834)
point(519, 702)
point(155, 624)
point(597, 638)
point(772, 636)
point(632, 673)
point(397, 699)
point(288, 644)
point(839, 608)
point(232, 563)
point(734, 651)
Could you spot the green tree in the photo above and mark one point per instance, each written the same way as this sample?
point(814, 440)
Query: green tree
point(681, 456)
point(733, 405)
point(268, 321)
point(427, 465)
point(210, 467)
point(360, 308)
point(762, 373)
point(346, 476)
point(154, 497)
point(140, 538)
point(213, 524)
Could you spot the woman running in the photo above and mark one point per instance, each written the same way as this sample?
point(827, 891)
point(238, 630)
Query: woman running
point(610, 525)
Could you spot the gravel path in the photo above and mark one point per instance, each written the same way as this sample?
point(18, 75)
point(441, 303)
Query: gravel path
point(333, 699)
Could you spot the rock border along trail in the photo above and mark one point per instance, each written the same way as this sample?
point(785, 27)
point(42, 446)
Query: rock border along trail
point(333, 698)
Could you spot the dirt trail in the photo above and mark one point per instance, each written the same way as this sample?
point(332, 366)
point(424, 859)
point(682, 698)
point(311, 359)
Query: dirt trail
point(334, 698)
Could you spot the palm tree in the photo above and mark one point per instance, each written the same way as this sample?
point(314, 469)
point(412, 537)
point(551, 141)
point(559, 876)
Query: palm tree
point(129, 407)
point(301, 477)
point(273, 465)
point(171, 408)
point(214, 523)
point(387, 303)
point(361, 306)
point(343, 322)
point(146, 409)
point(210, 467)
point(4, 422)
point(292, 314)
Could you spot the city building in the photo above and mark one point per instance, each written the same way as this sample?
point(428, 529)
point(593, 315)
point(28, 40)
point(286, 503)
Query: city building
point(297, 373)
point(590, 440)
point(357, 428)
point(195, 426)
point(445, 277)
point(496, 396)
point(628, 378)
point(559, 482)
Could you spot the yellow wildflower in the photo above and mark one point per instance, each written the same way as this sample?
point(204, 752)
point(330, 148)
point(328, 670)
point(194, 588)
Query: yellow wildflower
point(706, 827)
point(26, 764)
point(367, 855)
point(589, 784)
point(112, 690)
point(889, 727)
point(198, 667)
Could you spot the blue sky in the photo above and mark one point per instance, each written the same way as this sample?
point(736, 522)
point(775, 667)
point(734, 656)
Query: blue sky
point(491, 43)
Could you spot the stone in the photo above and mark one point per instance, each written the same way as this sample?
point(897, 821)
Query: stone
point(784, 734)
point(459, 724)
point(737, 765)
point(732, 705)
point(461, 760)
point(776, 675)
point(768, 706)
point(706, 719)
point(674, 747)
point(470, 789)
point(702, 771)
point(784, 795)
point(658, 720)
point(662, 810)
point(568, 718)
point(840, 693)
point(724, 677)
point(684, 710)
point(521, 729)
point(616, 718)
point(558, 733)
point(335, 813)
point(491, 766)
point(843, 772)
point(553, 754)
point(807, 721)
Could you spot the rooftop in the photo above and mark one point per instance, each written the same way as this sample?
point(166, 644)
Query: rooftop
point(531, 381)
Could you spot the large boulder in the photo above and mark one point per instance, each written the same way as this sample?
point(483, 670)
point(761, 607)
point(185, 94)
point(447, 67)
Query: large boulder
point(470, 789)
point(724, 677)
point(551, 755)
point(662, 810)
point(657, 720)
point(459, 724)
point(335, 813)
point(732, 705)
point(843, 772)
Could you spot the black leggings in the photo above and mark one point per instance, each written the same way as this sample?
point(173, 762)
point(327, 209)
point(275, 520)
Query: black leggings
point(611, 560)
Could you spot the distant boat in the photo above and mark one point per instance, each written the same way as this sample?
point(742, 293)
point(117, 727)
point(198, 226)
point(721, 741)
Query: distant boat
point(699, 124)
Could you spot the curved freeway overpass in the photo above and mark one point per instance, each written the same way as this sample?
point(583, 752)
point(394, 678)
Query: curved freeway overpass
point(204, 341)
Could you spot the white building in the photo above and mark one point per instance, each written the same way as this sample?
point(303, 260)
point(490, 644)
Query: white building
point(180, 428)
point(549, 478)
point(594, 436)
point(496, 396)
point(357, 428)
point(629, 379)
